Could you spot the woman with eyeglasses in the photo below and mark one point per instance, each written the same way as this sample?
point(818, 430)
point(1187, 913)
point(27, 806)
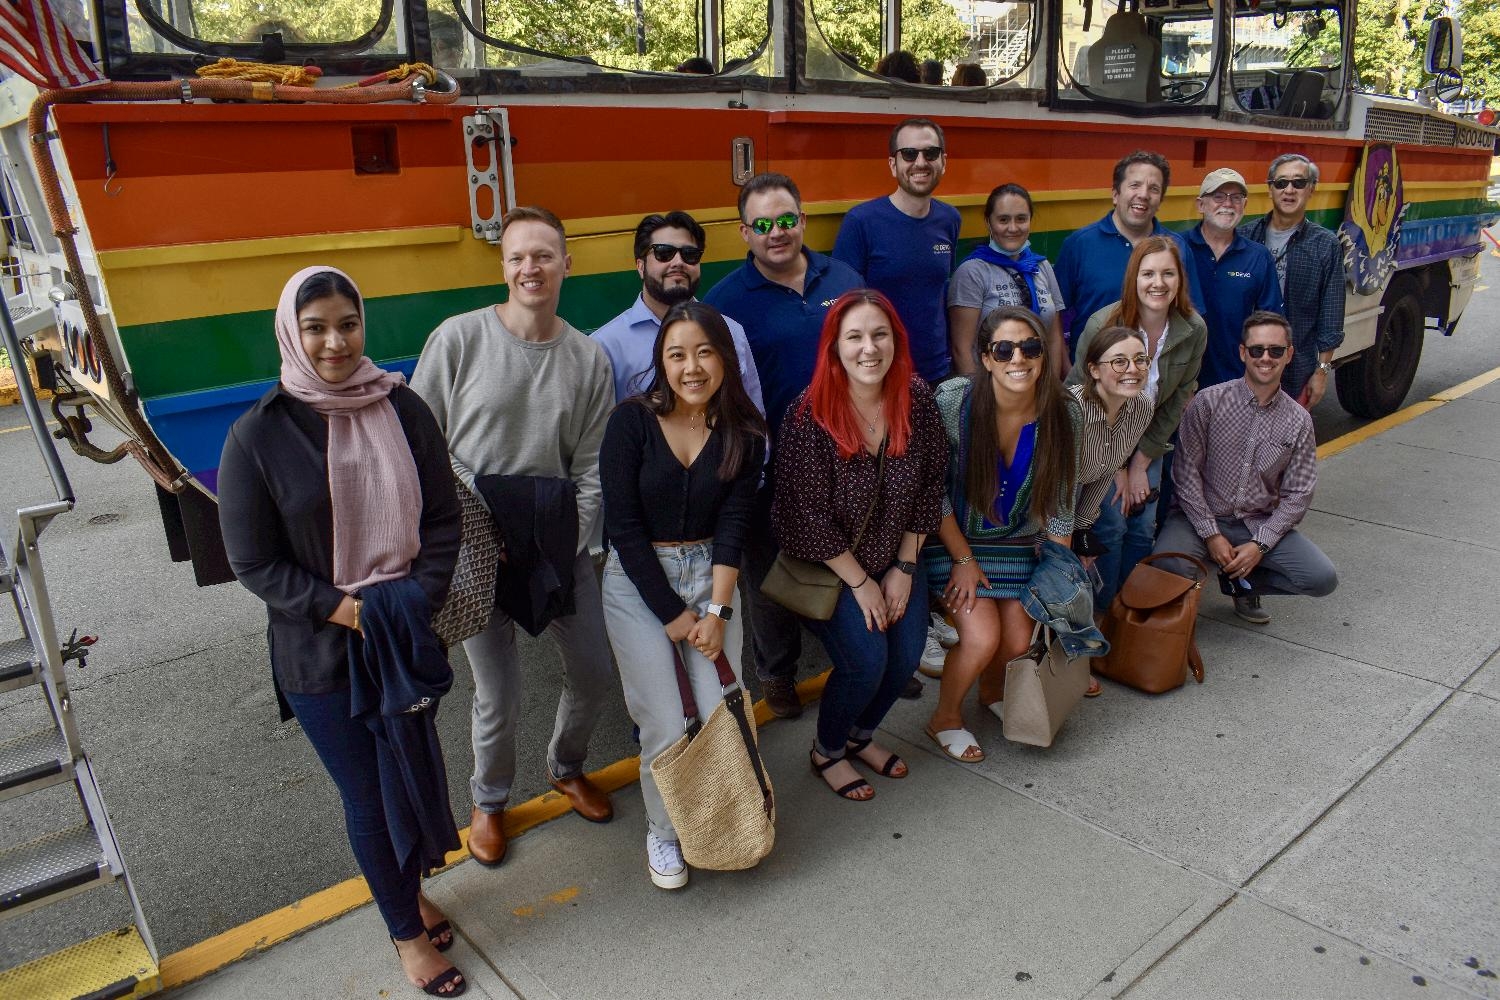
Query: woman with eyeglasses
point(1010, 479)
point(859, 485)
point(1153, 301)
point(680, 465)
point(1004, 272)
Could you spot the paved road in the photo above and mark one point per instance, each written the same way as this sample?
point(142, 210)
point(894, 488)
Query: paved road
point(224, 813)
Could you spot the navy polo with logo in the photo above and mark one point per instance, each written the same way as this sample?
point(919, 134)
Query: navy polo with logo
point(1225, 291)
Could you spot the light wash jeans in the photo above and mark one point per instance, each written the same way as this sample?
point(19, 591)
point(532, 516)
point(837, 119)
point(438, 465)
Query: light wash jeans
point(1129, 539)
point(644, 655)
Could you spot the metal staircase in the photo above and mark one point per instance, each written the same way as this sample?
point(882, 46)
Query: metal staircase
point(85, 855)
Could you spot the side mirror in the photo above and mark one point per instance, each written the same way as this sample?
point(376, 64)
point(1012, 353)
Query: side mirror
point(1445, 47)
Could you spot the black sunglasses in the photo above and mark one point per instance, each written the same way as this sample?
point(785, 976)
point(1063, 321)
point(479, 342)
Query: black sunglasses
point(1258, 351)
point(930, 153)
point(786, 220)
point(1299, 183)
point(664, 252)
point(1004, 350)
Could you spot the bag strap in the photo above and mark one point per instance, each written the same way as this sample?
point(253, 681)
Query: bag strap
point(1195, 659)
point(733, 700)
point(874, 500)
point(1185, 557)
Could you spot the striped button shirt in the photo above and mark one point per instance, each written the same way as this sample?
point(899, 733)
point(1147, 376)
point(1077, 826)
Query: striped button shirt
point(1103, 449)
point(1239, 460)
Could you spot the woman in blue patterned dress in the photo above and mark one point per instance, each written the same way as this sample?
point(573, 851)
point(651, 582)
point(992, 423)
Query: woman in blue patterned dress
point(1010, 478)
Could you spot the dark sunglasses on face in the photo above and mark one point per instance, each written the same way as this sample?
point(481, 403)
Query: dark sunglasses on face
point(664, 252)
point(1004, 350)
point(929, 153)
point(1122, 363)
point(1258, 351)
point(786, 220)
point(1299, 183)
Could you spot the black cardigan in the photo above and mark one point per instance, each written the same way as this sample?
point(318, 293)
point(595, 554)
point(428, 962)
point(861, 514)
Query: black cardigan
point(277, 520)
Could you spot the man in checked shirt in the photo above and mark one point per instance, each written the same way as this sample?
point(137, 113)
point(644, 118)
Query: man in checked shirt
point(1245, 469)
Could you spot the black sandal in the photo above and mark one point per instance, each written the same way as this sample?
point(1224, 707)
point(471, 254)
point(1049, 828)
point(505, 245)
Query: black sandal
point(856, 746)
point(846, 791)
point(435, 934)
point(448, 977)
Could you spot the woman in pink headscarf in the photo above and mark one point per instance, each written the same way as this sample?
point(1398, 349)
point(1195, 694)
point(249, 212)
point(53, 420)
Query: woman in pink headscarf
point(337, 484)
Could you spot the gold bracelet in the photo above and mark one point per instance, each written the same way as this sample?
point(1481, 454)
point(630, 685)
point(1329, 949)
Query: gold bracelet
point(358, 607)
point(965, 560)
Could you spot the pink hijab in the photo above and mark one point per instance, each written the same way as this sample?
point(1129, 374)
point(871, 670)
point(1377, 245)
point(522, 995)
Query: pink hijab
point(372, 477)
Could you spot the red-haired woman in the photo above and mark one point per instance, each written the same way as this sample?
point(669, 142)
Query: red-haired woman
point(859, 484)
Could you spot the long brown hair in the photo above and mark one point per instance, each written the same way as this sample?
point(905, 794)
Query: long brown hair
point(1127, 312)
point(1053, 464)
point(1103, 341)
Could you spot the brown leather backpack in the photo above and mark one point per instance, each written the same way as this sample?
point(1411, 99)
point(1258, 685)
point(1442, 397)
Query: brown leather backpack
point(1151, 627)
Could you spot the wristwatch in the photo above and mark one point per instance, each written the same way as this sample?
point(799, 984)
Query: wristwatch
point(1325, 367)
point(1264, 548)
point(909, 568)
point(721, 611)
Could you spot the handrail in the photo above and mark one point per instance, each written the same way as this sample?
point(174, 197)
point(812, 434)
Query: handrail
point(44, 443)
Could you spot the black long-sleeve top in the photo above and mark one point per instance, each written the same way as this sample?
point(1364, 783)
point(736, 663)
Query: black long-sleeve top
point(650, 497)
point(277, 520)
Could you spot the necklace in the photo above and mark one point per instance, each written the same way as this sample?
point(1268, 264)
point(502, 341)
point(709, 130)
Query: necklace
point(867, 421)
point(693, 419)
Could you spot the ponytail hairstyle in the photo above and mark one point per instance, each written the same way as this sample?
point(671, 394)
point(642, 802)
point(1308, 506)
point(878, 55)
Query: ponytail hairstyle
point(1053, 462)
point(730, 410)
point(828, 397)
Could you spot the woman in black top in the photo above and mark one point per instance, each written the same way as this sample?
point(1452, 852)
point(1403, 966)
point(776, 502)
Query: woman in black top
point(336, 481)
point(679, 465)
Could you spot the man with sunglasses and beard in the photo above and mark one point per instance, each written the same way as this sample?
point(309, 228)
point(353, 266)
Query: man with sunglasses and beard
point(780, 295)
point(1310, 268)
point(1245, 471)
point(903, 243)
point(668, 249)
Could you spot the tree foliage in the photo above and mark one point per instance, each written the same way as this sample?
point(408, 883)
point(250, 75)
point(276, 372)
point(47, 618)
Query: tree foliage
point(1480, 21)
point(1389, 39)
point(930, 29)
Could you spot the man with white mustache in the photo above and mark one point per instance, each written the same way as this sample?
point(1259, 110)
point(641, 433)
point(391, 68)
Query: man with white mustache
point(1232, 275)
point(1246, 467)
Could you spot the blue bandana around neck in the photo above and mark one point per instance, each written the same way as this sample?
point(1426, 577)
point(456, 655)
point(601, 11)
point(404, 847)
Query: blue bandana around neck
point(1025, 262)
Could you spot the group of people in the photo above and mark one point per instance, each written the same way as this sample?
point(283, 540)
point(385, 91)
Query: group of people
point(902, 65)
point(920, 430)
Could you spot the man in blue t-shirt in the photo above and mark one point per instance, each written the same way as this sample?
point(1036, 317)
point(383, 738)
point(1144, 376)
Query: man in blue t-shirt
point(780, 295)
point(903, 243)
point(1091, 265)
point(1232, 276)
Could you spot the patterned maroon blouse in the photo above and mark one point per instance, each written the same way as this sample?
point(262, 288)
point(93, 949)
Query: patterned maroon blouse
point(821, 499)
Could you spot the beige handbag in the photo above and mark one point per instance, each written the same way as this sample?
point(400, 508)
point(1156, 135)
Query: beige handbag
point(471, 596)
point(1041, 687)
point(714, 783)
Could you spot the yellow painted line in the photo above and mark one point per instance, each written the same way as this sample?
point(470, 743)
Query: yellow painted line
point(1378, 427)
point(25, 427)
point(192, 253)
point(1464, 388)
point(258, 935)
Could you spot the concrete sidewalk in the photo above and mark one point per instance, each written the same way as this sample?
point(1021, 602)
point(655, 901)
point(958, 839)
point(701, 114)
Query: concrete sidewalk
point(1318, 819)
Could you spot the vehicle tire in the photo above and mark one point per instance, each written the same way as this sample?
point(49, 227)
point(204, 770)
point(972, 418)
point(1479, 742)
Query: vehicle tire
point(1376, 383)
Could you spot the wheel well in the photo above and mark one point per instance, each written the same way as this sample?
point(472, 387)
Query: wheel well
point(1429, 283)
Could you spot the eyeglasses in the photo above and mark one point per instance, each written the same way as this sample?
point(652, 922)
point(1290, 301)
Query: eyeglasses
point(786, 220)
point(1227, 198)
point(1299, 183)
point(664, 252)
point(1121, 363)
point(1004, 350)
point(1258, 351)
point(930, 153)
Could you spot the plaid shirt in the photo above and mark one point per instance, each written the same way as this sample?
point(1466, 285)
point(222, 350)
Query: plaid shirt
point(1239, 460)
point(1314, 293)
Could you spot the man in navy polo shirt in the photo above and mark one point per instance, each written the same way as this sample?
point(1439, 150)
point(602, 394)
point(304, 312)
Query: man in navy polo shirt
point(780, 295)
point(1091, 265)
point(1232, 276)
point(903, 243)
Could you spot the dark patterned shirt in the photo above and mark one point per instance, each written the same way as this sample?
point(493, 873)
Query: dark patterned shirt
point(1238, 459)
point(1314, 293)
point(822, 499)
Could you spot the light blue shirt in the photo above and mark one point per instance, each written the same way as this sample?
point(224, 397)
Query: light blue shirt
point(630, 336)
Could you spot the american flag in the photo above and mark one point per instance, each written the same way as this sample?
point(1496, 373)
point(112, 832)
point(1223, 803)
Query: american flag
point(36, 43)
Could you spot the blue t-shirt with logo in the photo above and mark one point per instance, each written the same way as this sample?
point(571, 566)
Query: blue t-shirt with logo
point(1225, 291)
point(909, 261)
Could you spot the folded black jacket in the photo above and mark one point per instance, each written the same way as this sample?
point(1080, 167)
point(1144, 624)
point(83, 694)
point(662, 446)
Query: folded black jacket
point(537, 518)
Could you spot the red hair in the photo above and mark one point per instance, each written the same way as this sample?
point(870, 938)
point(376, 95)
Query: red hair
point(828, 397)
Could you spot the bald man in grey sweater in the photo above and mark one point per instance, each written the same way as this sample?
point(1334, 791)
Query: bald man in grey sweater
point(518, 391)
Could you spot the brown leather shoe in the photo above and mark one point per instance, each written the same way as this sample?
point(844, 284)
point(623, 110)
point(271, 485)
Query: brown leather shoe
point(487, 837)
point(781, 696)
point(586, 798)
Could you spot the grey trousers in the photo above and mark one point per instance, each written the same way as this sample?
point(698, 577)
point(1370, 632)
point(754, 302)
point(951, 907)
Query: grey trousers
point(496, 663)
point(644, 654)
point(1293, 566)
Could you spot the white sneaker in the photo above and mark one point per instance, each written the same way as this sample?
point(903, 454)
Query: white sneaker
point(664, 858)
point(933, 657)
point(943, 632)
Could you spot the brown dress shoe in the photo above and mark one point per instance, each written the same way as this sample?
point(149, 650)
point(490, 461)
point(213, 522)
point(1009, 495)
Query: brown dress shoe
point(487, 837)
point(587, 800)
point(781, 696)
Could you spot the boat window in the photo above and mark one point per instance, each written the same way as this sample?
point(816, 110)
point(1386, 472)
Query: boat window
point(1286, 62)
point(246, 22)
point(971, 44)
point(1156, 53)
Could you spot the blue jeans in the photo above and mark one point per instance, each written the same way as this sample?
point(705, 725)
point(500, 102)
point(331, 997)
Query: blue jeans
point(365, 772)
point(870, 669)
point(1128, 539)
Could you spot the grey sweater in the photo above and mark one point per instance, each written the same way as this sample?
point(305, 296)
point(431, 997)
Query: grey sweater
point(511, 407)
